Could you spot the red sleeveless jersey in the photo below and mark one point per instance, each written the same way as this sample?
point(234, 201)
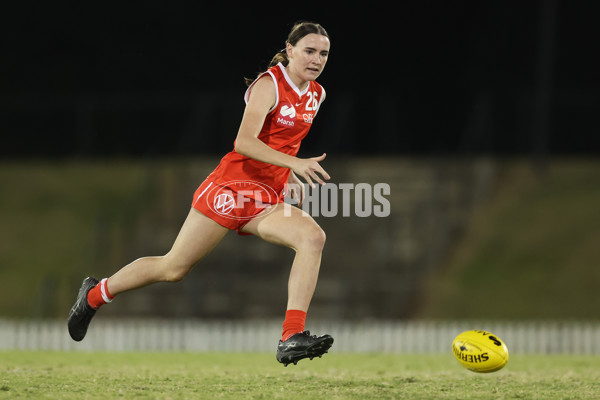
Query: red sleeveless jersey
point(286, 124)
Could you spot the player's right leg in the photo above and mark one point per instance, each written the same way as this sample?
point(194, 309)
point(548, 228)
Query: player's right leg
point(197, 237)
point(291, 227)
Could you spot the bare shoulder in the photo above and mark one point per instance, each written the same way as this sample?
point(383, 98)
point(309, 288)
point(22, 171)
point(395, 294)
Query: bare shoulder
point(266, 80)
point(263, 90)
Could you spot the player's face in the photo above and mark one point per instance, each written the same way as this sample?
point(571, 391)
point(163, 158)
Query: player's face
point(309, 56)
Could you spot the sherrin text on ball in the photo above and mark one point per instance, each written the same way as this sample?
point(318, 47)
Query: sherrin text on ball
point(480, 351)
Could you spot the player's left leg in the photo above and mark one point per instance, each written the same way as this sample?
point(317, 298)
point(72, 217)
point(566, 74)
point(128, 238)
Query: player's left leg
point(289, 226)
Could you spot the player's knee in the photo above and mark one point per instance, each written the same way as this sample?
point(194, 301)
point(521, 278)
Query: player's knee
point(176, 274)
point(313, 239)
point(319, 239)
point(175, 271)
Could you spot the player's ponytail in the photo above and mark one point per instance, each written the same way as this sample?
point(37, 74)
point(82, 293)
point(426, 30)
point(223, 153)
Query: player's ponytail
point(280, 57)
point(299, 30)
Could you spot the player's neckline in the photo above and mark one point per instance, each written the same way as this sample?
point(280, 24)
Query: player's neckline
point(291, 83)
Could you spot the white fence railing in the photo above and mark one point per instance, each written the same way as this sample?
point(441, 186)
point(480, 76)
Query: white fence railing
point(541, 337)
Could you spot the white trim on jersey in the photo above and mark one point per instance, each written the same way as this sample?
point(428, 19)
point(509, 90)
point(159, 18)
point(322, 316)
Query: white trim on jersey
point(292, 84)
point(247, 94)
point(320, 100)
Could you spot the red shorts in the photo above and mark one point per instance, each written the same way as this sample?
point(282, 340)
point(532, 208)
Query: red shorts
point(233, 204)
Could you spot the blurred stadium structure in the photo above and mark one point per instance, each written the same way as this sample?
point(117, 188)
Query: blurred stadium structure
point(82, 218)
point(372, 266)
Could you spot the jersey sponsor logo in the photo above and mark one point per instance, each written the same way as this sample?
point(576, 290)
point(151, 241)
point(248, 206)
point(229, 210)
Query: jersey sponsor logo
point(286, 115)
point(308, 118)
point(288, 111)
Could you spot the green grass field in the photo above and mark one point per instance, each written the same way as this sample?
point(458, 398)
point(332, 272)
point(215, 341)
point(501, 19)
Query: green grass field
point(75, 375)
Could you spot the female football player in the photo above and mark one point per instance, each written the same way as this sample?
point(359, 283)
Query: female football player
point(245, 193)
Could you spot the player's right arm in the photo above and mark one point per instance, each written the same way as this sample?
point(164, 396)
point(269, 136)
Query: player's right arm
point(262, 98)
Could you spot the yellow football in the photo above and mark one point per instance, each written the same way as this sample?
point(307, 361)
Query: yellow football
point(480, 351)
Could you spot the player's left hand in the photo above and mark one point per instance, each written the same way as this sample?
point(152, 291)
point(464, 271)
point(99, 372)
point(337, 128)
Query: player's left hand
point(310, 169)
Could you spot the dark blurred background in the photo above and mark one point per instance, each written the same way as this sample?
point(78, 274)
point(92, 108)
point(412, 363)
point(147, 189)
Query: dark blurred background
point(477, 114)
point(165, 78)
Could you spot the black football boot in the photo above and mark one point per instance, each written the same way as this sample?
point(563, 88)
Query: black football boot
point(302, 345)
point(81, 313)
